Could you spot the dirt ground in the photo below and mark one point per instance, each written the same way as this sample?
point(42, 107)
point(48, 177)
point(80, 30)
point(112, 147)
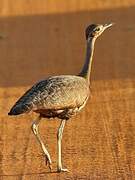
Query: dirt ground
point(99, 143)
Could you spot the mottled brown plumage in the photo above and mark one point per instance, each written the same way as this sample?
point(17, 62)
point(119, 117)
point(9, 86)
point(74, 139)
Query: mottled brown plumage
point(60, 96)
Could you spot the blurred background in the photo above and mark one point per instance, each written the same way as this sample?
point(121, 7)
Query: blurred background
point(42, 38)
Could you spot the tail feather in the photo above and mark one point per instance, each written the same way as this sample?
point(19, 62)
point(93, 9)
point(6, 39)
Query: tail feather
point(19, 109)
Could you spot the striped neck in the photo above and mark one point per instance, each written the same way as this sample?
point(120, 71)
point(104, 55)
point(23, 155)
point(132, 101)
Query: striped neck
point(86, 70)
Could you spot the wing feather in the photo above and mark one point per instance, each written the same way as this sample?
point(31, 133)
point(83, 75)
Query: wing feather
point(56, 92)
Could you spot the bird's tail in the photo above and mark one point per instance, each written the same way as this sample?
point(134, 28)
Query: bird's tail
point(19, 109)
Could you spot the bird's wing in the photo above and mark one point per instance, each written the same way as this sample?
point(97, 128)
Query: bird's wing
point(60, 92)
point(64, 91)
point(57, 92)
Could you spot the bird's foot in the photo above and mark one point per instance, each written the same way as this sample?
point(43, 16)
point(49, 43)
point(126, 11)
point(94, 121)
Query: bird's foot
point(62, 170)
point(49, 163)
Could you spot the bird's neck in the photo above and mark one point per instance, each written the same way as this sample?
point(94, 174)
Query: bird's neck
point(86, 70)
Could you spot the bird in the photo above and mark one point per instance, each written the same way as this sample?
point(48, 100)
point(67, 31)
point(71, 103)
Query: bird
point(61, 96)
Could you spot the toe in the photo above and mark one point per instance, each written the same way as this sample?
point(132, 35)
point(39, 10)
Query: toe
point(63, 170)
point(49, 164)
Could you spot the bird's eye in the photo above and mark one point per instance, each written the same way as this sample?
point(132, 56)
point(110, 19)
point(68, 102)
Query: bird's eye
point(97, 29)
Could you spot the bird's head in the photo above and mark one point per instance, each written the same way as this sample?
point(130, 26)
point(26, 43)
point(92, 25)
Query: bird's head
point(95, 30)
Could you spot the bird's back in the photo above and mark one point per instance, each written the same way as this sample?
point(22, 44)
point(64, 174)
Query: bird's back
point(54, 93)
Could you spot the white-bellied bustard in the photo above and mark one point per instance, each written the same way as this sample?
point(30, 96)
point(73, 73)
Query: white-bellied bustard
point(60, 96)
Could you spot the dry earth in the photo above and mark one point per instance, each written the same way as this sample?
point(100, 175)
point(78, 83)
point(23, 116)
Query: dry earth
point(99, 143)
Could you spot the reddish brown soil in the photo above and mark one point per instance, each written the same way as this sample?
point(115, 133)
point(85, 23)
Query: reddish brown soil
point(99, 143)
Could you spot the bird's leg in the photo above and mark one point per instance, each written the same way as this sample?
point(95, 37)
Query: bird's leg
point(35, 130)
point(59, 139)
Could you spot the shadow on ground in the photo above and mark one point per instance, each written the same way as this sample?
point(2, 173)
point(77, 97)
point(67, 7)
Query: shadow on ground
point(37, 46)
point(99, 143)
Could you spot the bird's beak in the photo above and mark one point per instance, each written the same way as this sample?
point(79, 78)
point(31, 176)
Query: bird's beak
point(108, 25)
